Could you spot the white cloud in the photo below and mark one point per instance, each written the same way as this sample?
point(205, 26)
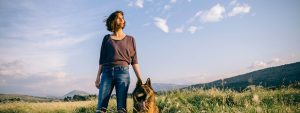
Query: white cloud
point(258, 64)
point(233, 2)
point(130, 4)
point(239, 9)
point(37, 49)
point(13, 69)
point(167, 7)
point(23, 66)
point(173, 1)
point(265, 64)
point(215, 14)
point(146, 24)
point(64, 41)
point(42, 84)
point(274, 61)
point(18, 77)
point(179, 30)
point(137, 3)
point(45, 34)
point(192, 29)
point(161, 24)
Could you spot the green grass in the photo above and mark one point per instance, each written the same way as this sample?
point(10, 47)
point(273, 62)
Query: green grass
point(254, 100)
point(257, 99)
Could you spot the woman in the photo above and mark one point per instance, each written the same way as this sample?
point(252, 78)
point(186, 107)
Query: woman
point(118, 51)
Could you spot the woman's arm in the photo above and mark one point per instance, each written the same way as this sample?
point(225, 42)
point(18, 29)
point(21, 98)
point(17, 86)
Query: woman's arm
point(137, 71)
point(97, 82)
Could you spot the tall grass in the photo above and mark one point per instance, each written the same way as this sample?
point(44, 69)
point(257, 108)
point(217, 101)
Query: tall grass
point(46, 107)
point(253, 100)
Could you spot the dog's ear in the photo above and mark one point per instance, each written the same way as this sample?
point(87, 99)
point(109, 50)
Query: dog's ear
point(139, 82)
point(148, 82)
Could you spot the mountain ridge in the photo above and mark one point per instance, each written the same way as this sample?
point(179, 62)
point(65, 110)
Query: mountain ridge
point(76, 92)
point(271, 77)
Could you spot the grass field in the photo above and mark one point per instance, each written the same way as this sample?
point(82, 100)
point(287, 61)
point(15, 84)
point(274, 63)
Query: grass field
point(254, 100)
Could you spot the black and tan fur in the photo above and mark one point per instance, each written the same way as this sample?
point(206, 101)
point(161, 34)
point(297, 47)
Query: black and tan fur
point(144, 98)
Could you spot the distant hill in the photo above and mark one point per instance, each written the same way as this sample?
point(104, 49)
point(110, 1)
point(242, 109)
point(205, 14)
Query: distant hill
point(166, 87)
point(158, 87)
point(27, 98)
point(272, 77)
point(76, 92)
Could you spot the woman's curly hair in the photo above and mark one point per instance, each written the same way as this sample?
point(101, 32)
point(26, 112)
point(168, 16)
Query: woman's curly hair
point(111, 21)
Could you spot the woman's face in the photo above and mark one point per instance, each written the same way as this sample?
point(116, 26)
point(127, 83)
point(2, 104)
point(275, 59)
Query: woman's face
point(120, 20)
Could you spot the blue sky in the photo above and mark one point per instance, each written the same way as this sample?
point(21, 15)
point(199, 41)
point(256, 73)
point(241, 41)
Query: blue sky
point(52, 47)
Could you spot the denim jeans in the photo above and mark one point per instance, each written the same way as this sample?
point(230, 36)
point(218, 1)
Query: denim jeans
point(115, 76)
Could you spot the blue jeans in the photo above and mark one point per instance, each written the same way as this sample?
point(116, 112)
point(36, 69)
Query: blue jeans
point(116, 76)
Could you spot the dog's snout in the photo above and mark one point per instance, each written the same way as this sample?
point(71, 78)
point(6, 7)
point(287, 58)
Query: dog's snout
point(140, 95)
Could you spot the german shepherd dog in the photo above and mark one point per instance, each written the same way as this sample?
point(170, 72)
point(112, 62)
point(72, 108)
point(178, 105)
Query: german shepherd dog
point(144, 98)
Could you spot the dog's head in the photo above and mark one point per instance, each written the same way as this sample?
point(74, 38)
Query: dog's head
point(142, 95)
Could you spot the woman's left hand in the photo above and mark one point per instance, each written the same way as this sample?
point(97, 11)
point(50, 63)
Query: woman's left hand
point(97, 82)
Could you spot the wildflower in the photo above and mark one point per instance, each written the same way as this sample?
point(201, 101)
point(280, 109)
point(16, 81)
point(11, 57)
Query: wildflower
point(258, 109)
point(256, 98)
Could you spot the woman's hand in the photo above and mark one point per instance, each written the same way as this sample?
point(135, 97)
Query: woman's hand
point(97, 82)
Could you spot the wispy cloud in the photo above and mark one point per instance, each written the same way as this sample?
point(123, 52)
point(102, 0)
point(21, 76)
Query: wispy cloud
point(13, 68)
point(161, 24)
point(264, 64)
point(35, 50)
point(215, 14)
point(239, 9)
point(233, 2)
point(173, 1)
point(274, 61)
point(179, 30)
point(65, 41)
point(17, 77)
point(167, 7)
point(192, 29)
point(258, 64)
point(42, 84)
point(137, 3)
point(24, 65)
